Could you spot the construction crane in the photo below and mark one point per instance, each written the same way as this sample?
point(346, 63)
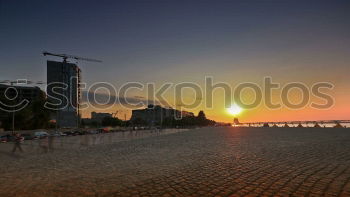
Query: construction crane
point(114, 115)
point(66, 56)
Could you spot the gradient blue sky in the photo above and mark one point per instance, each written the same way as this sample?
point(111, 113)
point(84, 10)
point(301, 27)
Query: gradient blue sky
point(159, 41)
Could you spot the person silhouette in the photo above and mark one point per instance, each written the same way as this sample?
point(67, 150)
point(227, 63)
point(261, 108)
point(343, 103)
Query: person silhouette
point(17, 143)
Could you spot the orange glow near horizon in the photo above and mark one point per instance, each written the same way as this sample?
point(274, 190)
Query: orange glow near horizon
point(339, 111)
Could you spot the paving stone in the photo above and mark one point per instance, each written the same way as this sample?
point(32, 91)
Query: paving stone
point(198, 162)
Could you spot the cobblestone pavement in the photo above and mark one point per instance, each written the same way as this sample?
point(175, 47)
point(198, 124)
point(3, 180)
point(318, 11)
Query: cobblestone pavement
point(199, 162)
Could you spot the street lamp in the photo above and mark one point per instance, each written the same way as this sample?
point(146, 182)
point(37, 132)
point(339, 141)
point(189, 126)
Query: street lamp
point(13, 122)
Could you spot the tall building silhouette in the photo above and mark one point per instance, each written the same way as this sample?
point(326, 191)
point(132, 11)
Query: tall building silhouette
point(63, 92)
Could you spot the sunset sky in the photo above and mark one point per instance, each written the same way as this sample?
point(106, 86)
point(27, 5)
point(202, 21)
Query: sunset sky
point(184, 41)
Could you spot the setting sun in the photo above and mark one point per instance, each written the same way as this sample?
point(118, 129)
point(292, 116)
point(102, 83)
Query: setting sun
point(234, 109)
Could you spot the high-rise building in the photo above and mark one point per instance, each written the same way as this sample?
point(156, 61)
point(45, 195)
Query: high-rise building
point(63, 92)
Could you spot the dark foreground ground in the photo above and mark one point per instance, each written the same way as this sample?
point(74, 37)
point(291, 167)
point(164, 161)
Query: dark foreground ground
point(200, 162)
